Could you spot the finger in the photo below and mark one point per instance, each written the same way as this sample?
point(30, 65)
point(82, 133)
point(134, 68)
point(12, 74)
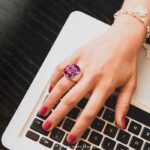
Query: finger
point(88, 114)
point(61, 87)
point(58, 72)
point(68, 102)
point(123, 103)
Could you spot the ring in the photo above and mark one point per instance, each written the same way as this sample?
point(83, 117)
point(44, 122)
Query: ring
point(73, 72)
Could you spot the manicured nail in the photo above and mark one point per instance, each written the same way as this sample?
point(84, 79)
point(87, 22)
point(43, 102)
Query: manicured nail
point(123, 120)
point(43, 110)
point(47, 124)
point(50, 89)
point(71, 139)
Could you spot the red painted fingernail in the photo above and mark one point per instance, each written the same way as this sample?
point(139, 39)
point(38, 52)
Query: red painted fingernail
point(50, 89)
point(43, 110)
point(71, 139)
point(47, 124)
point(123, 120)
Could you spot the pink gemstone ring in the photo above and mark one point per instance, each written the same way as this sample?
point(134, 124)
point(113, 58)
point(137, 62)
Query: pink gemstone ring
point(73, 72)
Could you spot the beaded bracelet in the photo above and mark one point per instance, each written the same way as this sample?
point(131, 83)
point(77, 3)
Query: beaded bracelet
point(140, 13)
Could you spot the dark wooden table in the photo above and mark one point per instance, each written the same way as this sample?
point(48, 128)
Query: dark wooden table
point(28, 29)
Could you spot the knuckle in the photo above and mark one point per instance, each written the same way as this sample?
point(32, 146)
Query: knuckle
point(108, 85)
point(69, 102)
point(94, 75)
point(90, 79)
point(62, 86)
point(59, 67)
point(133, 86)
point(89, 115)
point(96, 72)
point(52, 81)
point(100, 71)
point(122, 105)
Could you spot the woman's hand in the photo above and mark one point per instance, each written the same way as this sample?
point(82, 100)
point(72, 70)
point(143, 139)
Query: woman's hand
point(108, 62)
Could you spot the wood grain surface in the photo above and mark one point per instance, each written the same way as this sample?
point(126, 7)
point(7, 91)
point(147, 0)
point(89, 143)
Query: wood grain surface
point(28, 29)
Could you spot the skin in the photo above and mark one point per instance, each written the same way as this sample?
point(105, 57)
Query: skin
point(107, 62)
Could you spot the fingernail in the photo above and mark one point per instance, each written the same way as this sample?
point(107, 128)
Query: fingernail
point(43, 110)
point(71, 139)
point(123, 120)
point(50, 89)
point(47, 124)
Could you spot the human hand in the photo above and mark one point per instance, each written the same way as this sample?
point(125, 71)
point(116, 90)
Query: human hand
point(107, 62)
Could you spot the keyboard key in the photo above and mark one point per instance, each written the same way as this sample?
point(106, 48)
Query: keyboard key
point(68, 124)
point(74, 113)
point(57, 134)
point(37, 126)
point(95, 138)
point(110, 130)
point(111, 101)
point(82, 103)
point(136, 143)
point(134, 127)
point(146, 134)
point(69, 145)
point(86, 133)
point(33, 136)
point(44, 117)
point(127, 121)
point(147, 146)
point(58, 147)
point(109, 115)
point(46, 142)
point(98, 124)
point(139, 115)
point(82, 145)
point(108, 144)
point(100, 112)
point(95, 148)
point(121, 147)
point(123, 137)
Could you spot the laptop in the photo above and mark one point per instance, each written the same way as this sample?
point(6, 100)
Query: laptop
point(24, 131)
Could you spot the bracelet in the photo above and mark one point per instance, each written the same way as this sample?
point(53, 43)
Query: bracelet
point(140, 13)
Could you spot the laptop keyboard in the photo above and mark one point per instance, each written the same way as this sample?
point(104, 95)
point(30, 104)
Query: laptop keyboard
point(102, 134)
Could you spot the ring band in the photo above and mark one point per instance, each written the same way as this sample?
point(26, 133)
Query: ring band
point(73, 72)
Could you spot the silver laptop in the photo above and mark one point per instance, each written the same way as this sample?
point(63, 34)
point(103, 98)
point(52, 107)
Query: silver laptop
point(24, 131)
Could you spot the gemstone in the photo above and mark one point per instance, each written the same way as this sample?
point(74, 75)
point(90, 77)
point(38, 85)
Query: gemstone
point(71, 70)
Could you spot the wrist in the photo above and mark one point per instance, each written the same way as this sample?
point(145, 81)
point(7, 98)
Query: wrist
point(131, 26)
point(131, 29)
